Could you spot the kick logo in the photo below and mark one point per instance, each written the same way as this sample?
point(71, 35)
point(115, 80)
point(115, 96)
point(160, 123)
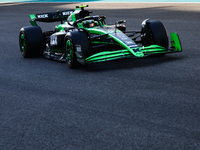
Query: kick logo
point(43, 16)
point(67, 13)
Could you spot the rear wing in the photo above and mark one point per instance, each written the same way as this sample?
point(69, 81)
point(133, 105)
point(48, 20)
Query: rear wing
point(50, 17)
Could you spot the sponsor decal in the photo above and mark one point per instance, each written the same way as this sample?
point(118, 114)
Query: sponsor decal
point(132, 46)
point(42, 16)
point(53, 40)
point(67, 13)
point(123, 37)
point(128, 42)
point(136, 50)
point(78, 48)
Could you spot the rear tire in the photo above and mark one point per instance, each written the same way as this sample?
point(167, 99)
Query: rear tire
point(31, 41)
point(155, 33)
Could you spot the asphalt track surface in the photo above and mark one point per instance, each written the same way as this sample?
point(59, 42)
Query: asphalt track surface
point(149, 103)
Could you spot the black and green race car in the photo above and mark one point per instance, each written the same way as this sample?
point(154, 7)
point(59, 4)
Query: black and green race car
point(81, 39)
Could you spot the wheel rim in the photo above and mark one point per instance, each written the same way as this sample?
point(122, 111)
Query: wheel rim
point(22, 43)
point(68, 52)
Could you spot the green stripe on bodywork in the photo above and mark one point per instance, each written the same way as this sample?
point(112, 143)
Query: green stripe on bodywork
point(98, 42)
point(61, 27)
point(73, 17)
point(108, 55)
point(153, 49)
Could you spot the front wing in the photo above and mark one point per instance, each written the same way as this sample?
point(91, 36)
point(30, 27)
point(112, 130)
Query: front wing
point(147, 50)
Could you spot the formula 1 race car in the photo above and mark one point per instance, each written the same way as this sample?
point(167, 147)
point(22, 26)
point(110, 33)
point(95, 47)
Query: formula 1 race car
point(81, 39)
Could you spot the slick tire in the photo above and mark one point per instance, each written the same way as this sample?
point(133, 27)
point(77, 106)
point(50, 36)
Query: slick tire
point(73, 40)
point(31, 41)
point(155, 33)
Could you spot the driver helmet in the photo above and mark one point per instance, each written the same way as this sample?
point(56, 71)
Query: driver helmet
point(88, 23)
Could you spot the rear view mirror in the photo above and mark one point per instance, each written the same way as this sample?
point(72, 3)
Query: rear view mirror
point(120, 21)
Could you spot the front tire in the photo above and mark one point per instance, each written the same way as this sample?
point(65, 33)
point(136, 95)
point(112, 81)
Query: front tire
point(31, 41)
point(71, 57)
point(155, 32)
point(77, 44)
